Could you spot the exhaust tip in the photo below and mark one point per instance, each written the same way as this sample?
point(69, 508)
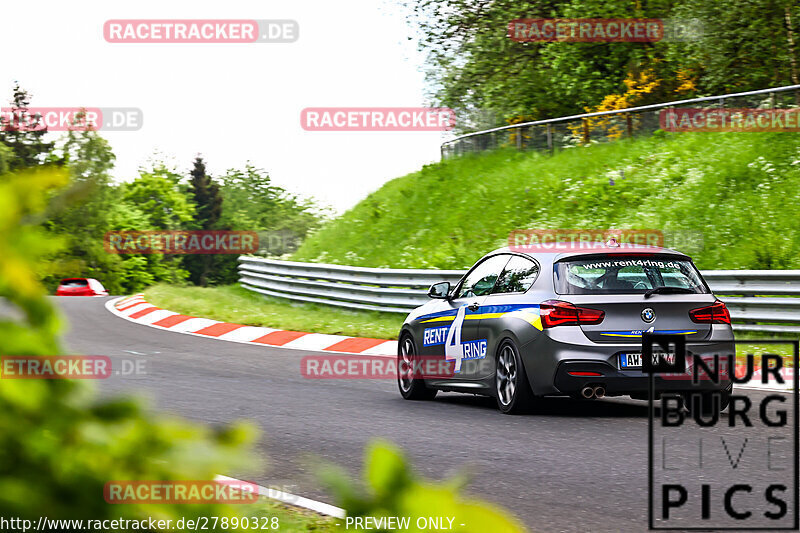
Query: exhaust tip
point(587, 392)
point(599, 392)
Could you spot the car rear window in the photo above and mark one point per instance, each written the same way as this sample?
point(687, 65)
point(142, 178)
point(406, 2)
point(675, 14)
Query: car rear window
point(74, 283)
point(625, 275)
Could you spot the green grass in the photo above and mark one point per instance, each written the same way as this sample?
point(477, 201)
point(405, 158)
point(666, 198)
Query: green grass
point(234, 304)
point(785, 351)
point(741, 191)
point(289, 518)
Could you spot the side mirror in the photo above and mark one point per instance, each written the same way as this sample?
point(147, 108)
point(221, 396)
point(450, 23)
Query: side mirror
point(440, 290)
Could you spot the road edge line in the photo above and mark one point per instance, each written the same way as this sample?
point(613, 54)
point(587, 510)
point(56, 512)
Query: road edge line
point(292, 499)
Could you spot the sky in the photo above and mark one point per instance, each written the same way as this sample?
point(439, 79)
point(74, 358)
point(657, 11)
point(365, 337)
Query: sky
point(234, 103)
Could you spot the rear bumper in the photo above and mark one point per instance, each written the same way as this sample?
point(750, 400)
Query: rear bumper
point(625, 382)
point(80, 293)
point(75, 294)
point(550, 356)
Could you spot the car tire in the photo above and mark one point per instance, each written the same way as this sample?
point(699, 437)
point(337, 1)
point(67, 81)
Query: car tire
point(708, 402)
point(511, 388)
point(411, 388)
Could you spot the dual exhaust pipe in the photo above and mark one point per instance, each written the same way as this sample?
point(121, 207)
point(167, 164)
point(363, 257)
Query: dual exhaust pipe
point(590, 392)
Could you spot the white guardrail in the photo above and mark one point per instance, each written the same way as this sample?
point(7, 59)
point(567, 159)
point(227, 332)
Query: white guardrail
point(759, 300)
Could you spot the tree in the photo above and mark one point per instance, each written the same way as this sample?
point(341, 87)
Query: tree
point(206, 195)
point(744, 45)
point(5, 158)
point(24, 132)
point(254, 203)
point(80, 213)
point(154, 201)
point(158, 193)
point(476, 68)
point(208, 199)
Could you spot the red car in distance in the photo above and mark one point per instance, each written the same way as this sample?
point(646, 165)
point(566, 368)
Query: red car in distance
point(81, 287)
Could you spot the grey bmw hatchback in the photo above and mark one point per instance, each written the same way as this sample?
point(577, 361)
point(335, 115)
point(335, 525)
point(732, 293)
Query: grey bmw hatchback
point(523, 325)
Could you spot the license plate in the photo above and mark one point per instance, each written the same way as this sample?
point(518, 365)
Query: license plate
point(634, 360)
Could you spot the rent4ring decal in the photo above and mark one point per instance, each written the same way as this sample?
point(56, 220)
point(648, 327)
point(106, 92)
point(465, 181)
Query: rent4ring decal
point(434, 336)
point(455, 349)
point(473, 349)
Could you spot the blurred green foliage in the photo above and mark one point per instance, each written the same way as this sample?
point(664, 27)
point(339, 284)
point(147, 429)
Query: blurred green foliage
point(393, 490)
point(738, 192)
point(59, 445)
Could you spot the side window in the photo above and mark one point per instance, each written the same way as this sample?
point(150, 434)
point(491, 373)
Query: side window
point(518, 275)
point(481, 280)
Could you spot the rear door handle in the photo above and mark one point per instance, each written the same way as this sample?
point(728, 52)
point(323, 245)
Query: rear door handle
point(473, 306)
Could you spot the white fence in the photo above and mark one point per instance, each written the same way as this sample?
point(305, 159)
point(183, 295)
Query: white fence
point(759, 300)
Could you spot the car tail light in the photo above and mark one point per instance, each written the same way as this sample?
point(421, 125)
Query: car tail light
point(584, 374)
point(558, 313)
point(716, 313)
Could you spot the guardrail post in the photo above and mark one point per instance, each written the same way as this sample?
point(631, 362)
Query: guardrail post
point(519, 138)
point(585, 131)
point(549, 138)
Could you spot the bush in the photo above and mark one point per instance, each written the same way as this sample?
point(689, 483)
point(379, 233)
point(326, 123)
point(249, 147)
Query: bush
point(394, 491)
point(59, 445)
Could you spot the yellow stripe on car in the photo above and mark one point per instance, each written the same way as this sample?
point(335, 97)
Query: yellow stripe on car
point(639, 334)
point(530, 316)
point(468, 317)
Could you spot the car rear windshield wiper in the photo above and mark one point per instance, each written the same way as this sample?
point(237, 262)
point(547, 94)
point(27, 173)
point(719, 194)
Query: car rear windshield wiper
point(668, 290)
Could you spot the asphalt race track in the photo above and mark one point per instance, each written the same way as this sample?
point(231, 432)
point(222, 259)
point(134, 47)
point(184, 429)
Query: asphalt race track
point(571, 466)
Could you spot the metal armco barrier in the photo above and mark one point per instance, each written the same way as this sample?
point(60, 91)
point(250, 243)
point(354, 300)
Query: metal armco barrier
point(771, 296)
point(765, 296)
point(378, 289)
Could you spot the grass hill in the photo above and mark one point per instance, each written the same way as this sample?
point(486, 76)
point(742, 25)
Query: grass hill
point(740, 191)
